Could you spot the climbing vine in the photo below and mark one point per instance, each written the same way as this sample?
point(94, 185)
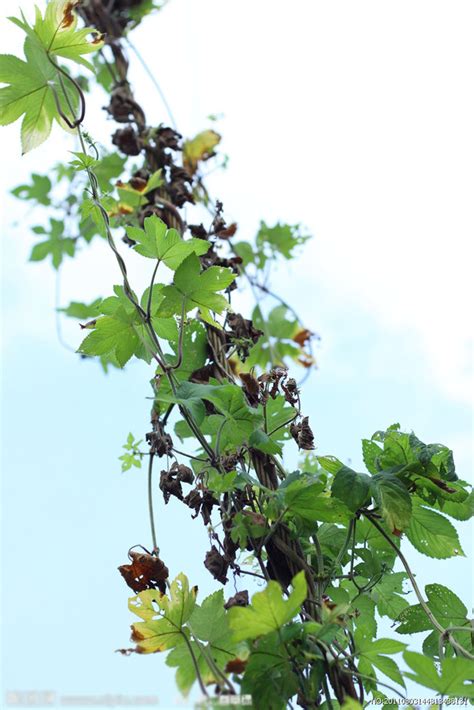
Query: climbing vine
point(324, 543)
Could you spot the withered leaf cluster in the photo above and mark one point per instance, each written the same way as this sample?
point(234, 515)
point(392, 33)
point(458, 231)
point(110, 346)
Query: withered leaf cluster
point(145, 571)
point(302, 434)
point(242, 333)
point(201, 501)
point(259, 389)
point(216, 564)
point(160, 442)
point(239, 599)
point(170, 481)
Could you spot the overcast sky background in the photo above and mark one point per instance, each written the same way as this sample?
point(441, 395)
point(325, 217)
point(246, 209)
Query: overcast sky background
point(353, 118)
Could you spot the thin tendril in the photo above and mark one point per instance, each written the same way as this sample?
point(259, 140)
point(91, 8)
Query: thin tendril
point(150, 502)
point(153, 80)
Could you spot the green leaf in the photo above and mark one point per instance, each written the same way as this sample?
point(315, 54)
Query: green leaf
point(455, 672)
point(131, 457)
point(261, 441)
point(138, 12)
point(445, 606)
point(412, 620)
point(181, 659)
point(305, 497)
point(433, 534)
point(269, 611)
point(128, 460)
point(92, 217)
point(281, 323)
point(330, 464)
point(209, 624)
point(435, 492)
point(240, 420)
point(187, 397)
point(369, 536)
point(387, 594)
point(331, 538)
point(155, 180)
point(220, 483)
point(194, 349)
point(461, 510)
point(269, 676)
point(371, 565)
point(409, 453)
point(57, 246)
point(107, 169)
point(281, 239)
point(34, 84)
point(245, 526)
point(120, 332)
point(111, 335)
point(245, 251)
point(393, 500)
point(38, 190)
point(156, 241)
point(370, 453)
point(193, 289)
point(351, 488)
point(278, 414)
point(164, 615)
point(57, 34)
point(83, 311)
point(374, 652)
point(30, 92)
point(83, 161)
point(364, 606)
point(426, 673)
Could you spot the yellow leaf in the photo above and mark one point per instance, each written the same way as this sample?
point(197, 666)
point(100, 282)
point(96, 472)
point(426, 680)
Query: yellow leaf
point(199, 148)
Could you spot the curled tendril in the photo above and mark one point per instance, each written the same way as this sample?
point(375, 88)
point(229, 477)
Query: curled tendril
point(77, 120)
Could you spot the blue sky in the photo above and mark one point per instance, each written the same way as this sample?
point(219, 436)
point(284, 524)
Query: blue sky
point(353, 119)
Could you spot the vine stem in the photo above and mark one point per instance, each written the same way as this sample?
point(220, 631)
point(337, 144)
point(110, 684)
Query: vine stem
point(327, 694)
point(318, 582)
point(150, 293)
point(179, 359)
point(210, 662)
point(95, 195)
point(379, 682)
point(341, 552)
point(196, 666)
point(150, 501)
point(434, 621)
point(189, 456)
